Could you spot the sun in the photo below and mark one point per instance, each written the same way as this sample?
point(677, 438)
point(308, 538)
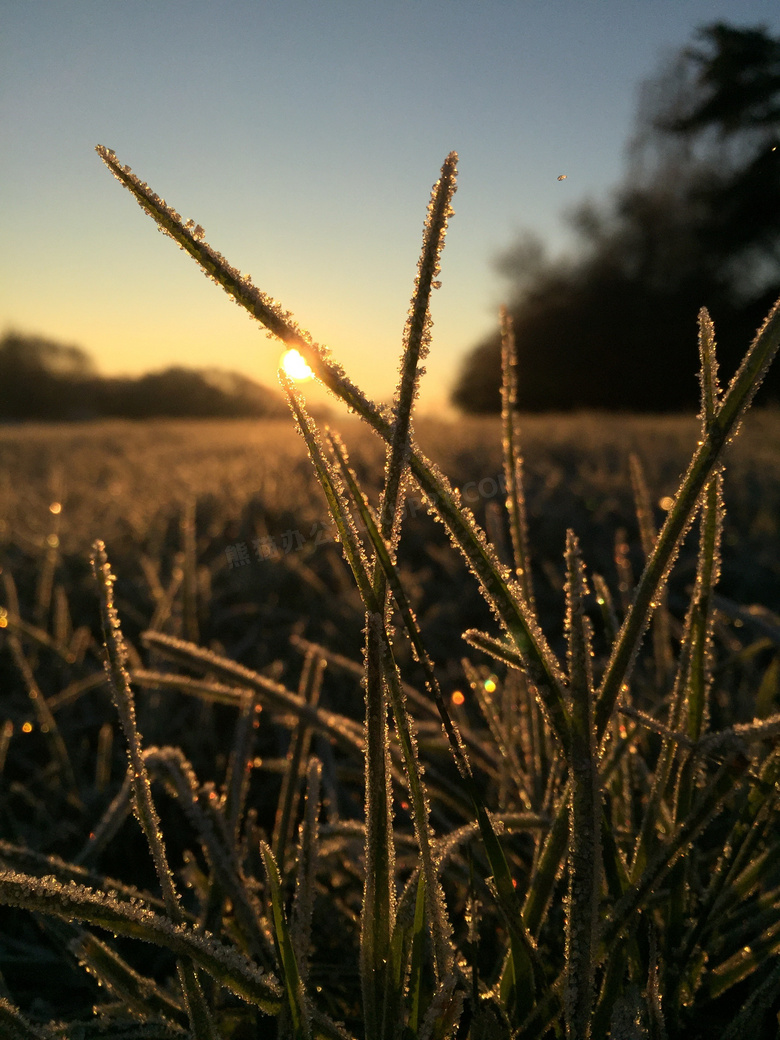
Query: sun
point(294, 366)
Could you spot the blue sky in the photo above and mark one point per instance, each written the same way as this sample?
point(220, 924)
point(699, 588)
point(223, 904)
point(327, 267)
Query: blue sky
point(304, 137)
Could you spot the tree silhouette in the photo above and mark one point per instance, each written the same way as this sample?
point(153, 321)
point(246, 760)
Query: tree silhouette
point(696, 222)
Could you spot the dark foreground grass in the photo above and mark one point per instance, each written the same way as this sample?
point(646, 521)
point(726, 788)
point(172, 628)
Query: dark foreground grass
point(382, 792)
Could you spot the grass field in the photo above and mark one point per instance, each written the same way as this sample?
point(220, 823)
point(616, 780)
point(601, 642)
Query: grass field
point(509, 771)
point(173, 501)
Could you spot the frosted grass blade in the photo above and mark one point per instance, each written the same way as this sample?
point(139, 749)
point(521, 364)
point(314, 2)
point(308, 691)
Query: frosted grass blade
point(262, 307)
point(522, 959)
point(439, 924)
point(495, 647)
point(490, 711)
point(78, 902)
point(296, 995)
point(308, 842)
point(170, 766)
point(662, 640)
point(585, 844)
point(300, 739)
point(706, 808)
point(416, 343)
point(708, 371)
point(16, 1027)
point(139, 993)
point(116, 671)
point(720, 430)
point(272, 694)
point(513, 461)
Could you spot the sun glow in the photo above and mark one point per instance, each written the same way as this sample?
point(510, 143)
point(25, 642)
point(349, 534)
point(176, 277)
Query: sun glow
point(295, 366)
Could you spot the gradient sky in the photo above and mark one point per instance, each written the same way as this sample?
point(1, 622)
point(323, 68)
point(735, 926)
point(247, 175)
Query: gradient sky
point(304, 136)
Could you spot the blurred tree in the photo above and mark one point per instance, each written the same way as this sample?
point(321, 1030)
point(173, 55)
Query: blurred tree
point(40, 379)
point(696, 222)
point(47, 381)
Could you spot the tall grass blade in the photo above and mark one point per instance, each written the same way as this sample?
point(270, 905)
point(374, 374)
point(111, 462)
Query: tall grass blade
point(417, 334)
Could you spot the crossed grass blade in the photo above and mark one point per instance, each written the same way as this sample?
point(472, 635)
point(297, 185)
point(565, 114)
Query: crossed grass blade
point(501, 593)
point(522, 956)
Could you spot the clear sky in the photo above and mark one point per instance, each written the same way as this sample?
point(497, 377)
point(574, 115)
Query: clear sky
point(304, 136)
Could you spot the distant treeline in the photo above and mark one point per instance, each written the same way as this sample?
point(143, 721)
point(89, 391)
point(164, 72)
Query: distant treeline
point(47, 381)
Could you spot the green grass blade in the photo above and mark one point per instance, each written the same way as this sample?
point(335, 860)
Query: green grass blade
point(418, 951)
point(296, 995)
point(585, 844)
